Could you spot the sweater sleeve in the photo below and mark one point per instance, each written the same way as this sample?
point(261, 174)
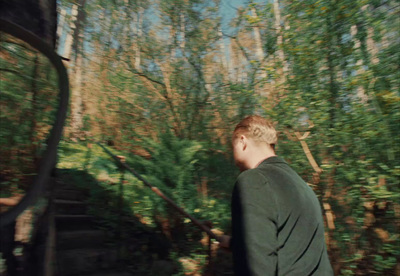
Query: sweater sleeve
point(254, 230)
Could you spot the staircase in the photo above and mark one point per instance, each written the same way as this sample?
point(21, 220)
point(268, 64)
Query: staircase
point(81, 249)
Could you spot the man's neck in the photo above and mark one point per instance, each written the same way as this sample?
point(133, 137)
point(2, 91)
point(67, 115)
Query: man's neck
point(259, 158)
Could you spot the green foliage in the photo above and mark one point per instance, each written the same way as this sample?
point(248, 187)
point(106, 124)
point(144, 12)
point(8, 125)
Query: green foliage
point(28, 102)
point(354, 140)
point(176, 167)
point(173, 168)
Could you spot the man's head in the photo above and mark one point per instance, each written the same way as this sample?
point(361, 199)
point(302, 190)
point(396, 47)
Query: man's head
point(253, 140)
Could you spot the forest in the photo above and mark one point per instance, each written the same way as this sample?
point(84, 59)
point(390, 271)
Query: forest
point(162, 84)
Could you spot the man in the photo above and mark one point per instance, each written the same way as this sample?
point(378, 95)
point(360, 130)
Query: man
point(277, 225)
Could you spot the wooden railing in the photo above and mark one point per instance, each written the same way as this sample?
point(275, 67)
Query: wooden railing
point(195, 221)
point(204, 226)
point(48, 159)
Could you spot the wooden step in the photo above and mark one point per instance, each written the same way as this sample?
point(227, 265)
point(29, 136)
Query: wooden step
point(109, 273)
point(85, 261)
point(74, 222)
point(71, 194)
point(80, 239)
point(70, 207)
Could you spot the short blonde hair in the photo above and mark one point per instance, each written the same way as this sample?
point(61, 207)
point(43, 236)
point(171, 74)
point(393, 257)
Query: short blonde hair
point(257, 128)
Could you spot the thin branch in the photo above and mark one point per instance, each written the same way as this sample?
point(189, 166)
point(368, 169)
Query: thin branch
point(147, 77)
point(302, 137)
point(141, 74)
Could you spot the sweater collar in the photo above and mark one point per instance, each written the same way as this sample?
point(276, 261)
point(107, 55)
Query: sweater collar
point(271, 160)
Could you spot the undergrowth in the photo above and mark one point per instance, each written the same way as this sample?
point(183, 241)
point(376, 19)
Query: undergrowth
point(160, 233)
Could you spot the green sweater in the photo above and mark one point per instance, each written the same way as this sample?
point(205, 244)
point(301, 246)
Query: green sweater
point(277, 225)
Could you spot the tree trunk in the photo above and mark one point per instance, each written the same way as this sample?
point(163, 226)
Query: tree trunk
point(359, 63)
point(139, 31)
point(233, 62)
point(257, 39)
point(35, 92)
point(69, 38)
point(260, 56)
point(281, 55)
point(333, 88)
point(182, 43)
point(226, 72)
point(76, 91)
point(60, 27)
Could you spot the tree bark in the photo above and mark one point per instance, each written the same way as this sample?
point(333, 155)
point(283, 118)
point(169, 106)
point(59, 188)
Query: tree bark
point(182, 43)
point(69, 38)
point(139, 32)
point(35, 92)
point(60, 26)
point(281, 55)
point(260, 56)
point(76, 91)
point(359, 63)
point(257, 39)
point(226, 72)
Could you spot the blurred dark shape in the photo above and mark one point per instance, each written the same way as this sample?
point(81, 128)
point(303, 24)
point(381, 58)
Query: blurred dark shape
point(7, 245)
point(38, 17)
point(110, 143)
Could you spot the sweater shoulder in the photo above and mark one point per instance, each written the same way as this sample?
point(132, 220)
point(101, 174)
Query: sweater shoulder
point(254, 177)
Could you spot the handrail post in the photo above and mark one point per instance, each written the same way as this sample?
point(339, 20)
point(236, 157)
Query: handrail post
point(209, 249)
point(89, 145)
point(120, 205)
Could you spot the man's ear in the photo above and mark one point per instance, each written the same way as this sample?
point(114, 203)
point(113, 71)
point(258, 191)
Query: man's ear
point(243, 141)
